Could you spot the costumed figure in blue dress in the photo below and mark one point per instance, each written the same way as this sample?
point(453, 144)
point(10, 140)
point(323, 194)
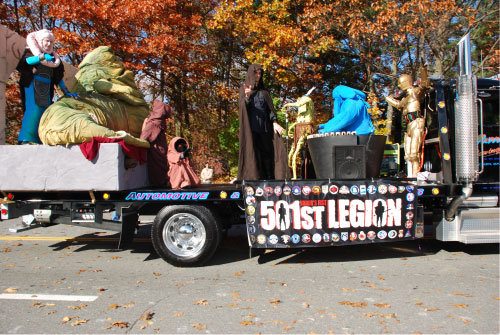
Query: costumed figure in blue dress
point(41, 69)
point(350, 113)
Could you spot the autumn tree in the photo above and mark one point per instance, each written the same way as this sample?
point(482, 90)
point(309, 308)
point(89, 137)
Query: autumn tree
point(194, 55)
point(485, 35)
point(267, 33)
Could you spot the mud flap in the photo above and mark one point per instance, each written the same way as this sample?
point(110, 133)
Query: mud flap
point(130, 217)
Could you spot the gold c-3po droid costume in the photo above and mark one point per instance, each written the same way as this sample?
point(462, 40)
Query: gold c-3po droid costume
point(410, 106)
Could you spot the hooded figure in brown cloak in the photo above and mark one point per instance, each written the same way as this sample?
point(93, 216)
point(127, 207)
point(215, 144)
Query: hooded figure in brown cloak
point(180, 171)
point(262, 151)
point(153, 131)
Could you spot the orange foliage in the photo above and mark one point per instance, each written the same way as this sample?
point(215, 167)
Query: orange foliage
point(13, 109)
point(193, 54)
point(272, 37)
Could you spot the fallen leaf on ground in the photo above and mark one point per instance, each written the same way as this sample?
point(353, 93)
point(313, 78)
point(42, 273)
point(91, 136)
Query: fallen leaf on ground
point(66, 319)
point(120, 324)
point(147, 316)
point(203, 302)
point(465, 321)
point(198, 326)
point(157, 274)
point(10, 290)
point(114, 306)
point(461, 305)
point(78, 322)
point(274, 301)
point(381, 305)
point(381, 278)
point(354, 304)
point(463, 294)
point(246, 323)
point(431, 309)
point(77, 307)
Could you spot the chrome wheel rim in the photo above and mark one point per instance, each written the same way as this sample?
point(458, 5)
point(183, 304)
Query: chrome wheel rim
point(184, 235)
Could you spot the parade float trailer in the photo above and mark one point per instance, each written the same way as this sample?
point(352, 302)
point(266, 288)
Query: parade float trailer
point(347, 204)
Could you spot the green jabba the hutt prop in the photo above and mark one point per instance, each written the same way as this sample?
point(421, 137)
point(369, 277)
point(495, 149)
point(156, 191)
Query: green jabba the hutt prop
point(109, 105)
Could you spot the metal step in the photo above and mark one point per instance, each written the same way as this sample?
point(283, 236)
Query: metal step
point(472, 225)
point(480, 237)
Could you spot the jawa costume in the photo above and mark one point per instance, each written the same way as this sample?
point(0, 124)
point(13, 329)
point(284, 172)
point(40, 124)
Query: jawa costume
point(153, 131)
point(180, 171)
point(41, 69)
point(262, 152)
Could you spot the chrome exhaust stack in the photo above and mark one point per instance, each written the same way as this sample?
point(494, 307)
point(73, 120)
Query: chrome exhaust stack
point(466, 119)
point(466, 127)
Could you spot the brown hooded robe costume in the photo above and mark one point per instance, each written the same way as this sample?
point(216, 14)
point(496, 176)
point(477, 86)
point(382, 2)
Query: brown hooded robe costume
point(247, 164)
point(153, 131)
point(180, 171)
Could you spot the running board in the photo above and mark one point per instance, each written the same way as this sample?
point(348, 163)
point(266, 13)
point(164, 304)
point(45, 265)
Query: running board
point(481, 237)
point(471, 226)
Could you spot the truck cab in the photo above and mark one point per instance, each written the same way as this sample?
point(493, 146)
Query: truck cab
point(476, 216)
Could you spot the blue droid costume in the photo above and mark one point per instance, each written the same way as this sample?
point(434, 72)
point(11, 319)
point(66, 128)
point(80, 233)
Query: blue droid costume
point(41, 69)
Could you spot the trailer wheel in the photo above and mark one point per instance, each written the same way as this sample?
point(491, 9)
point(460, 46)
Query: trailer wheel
point(185, 235)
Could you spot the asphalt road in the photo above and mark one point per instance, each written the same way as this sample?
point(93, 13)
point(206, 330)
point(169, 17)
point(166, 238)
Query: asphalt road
point(64, 279)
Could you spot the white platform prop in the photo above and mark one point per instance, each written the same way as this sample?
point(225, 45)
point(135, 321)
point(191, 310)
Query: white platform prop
point(60, 168)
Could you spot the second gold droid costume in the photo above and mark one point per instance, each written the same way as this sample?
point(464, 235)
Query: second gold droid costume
point(410, 105)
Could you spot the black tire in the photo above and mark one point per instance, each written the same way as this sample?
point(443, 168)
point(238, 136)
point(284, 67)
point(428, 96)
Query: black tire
point(186, 235)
